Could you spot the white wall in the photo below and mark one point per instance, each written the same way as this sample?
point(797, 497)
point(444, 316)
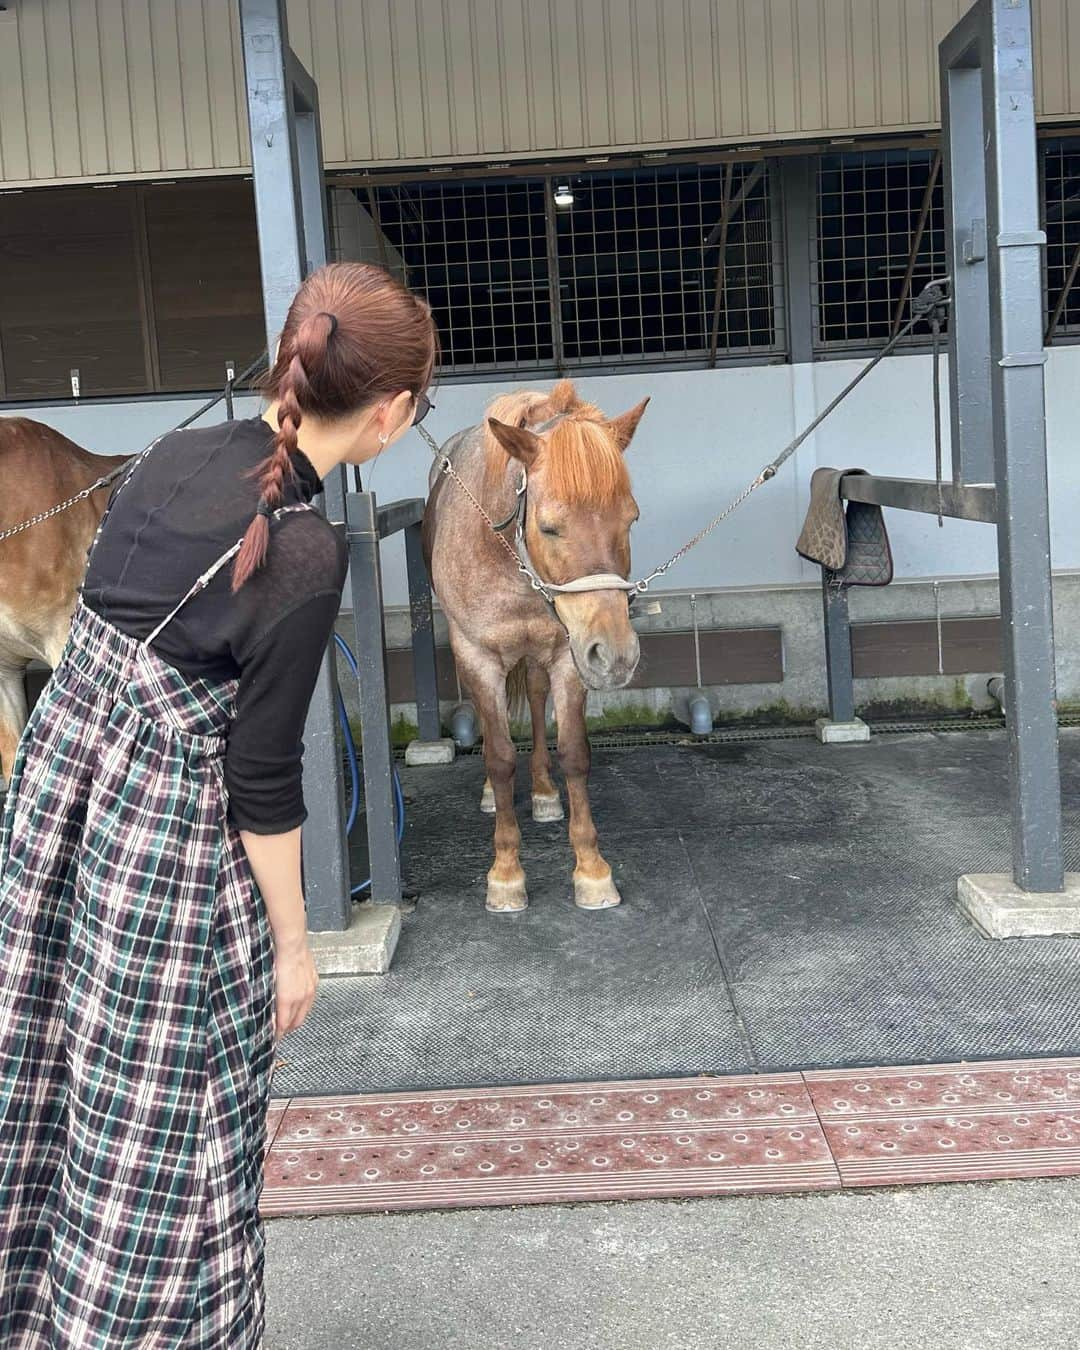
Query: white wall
point(705, 435)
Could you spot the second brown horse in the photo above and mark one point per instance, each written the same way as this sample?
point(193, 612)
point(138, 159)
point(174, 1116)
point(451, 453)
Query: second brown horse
point(580, 509)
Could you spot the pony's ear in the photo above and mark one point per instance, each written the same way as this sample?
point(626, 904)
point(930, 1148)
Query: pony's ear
point(624, 426)
point(519, 442)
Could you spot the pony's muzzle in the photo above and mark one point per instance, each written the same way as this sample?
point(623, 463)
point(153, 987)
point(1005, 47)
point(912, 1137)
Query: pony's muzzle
point(605, 664)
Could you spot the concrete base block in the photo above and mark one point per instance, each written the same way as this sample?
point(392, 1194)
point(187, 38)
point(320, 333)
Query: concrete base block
point(841, 733)
point(1000, 909)
point(366, 947)
point(419, 753)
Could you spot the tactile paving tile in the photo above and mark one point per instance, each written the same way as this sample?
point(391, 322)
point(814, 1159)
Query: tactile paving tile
point(530, 1145)
point(951, 1122)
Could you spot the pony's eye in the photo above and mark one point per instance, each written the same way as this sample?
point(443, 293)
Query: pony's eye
point(552, 531)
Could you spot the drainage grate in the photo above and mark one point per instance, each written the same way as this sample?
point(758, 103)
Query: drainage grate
point(635, 740)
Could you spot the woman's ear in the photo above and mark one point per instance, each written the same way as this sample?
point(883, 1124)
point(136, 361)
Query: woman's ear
point(396, 414)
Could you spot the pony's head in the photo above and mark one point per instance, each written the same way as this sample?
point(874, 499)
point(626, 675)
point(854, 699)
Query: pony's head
point(580, 510)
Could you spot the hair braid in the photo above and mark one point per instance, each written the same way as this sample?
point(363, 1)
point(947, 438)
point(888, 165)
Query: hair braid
point(277, 468)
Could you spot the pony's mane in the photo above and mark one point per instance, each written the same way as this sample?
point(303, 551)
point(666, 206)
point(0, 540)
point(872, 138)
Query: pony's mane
point(583, 465)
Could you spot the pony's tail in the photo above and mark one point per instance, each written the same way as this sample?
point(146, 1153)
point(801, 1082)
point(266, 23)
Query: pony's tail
point(517, 693)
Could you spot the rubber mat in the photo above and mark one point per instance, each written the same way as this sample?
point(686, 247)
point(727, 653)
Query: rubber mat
point(786, 906)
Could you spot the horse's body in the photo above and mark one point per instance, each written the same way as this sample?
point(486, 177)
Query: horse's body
point(505, 635)
point(41, 568)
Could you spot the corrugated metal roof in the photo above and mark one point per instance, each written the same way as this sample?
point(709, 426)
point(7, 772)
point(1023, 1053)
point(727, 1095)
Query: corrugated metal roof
point(139, 88)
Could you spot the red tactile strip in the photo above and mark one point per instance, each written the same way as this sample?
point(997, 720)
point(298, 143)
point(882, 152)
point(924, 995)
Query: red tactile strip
point(951, 1122)
point(683, 1137)
point(607, 1141)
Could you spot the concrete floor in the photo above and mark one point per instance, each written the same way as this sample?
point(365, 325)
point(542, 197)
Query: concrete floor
point(963, 1267)
point(786, 905)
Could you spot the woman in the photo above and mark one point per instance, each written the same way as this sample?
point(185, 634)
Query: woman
point(152, 934)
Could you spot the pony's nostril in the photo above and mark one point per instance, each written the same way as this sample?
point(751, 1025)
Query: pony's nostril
point(596, 656)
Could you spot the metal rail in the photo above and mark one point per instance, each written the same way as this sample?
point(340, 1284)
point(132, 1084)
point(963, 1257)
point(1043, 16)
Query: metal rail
point(961, 501)
point(367, 525)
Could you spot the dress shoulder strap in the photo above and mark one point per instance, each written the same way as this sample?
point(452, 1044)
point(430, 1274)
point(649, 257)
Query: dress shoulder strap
point(118, 489)
point(201, 583)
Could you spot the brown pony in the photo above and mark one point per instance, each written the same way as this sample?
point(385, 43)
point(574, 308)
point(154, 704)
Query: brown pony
point(505, 635)
point(42, 568)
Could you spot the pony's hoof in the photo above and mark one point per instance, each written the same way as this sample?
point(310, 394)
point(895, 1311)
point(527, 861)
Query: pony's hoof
point(506, 897)
point(546, 808)
point(487, 800)
point(596, 892)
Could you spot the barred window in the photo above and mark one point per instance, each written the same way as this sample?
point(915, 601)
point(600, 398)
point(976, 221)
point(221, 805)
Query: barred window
point(880, 239)
point(665, 262)
point(478, 252)
point(1061, 207)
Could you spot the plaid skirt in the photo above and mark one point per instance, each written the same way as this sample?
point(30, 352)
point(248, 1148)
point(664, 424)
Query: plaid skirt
point(136, 1017)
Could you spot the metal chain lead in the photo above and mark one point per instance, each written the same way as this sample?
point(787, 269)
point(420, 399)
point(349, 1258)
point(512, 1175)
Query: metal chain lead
point(61, 506)
point(931, 299)
point(110, 477)
point(770, 470)
point(447, 469)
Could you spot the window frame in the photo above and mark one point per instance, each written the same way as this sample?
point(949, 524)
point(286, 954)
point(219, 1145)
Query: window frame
point(152, 386)
point(795, 321)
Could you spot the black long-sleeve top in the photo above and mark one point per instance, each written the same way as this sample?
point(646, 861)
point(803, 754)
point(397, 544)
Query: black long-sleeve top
point(189, 500)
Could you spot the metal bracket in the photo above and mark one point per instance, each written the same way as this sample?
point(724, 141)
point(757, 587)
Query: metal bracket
point(974, 246)
point(1021, 239)
point(1023, 359)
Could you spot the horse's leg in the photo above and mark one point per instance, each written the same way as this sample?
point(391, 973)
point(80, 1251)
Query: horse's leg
point(546, 805)
point(487, 683)
point(594, 887)
point(12, 715)
point(54, 638)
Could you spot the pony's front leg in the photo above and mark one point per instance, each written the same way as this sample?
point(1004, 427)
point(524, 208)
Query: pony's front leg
point(594, 887)
point(12, 716)
point(546, 805)
point(506, 892)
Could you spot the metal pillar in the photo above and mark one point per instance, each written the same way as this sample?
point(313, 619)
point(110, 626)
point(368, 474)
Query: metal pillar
point(797, 191)
point(290, 213)
point(965, 233)
point(999, 418)
point(365, 580)
point(838, 668)
point(425, 674)
point(1018, 413)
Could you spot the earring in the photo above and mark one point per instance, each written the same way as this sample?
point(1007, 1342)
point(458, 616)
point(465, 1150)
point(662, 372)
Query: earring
point(383, 438)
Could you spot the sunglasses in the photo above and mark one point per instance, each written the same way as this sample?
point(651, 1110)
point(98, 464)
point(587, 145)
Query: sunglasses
point(424, 405)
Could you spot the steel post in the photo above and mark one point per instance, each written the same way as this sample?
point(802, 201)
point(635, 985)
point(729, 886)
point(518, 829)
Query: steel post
point(838, 669)
point(965, 240)
point(425, 674)
point(287, 240)
point(797, 184)
point(366, 586)
point(1017, 358)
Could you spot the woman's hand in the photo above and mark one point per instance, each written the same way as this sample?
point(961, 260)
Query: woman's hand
point(295, 983)
point(275, 864)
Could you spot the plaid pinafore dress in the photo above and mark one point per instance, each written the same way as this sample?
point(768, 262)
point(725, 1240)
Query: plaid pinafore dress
point(136, 1014)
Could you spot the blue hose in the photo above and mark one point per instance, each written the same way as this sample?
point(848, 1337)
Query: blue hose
point(354, 768)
